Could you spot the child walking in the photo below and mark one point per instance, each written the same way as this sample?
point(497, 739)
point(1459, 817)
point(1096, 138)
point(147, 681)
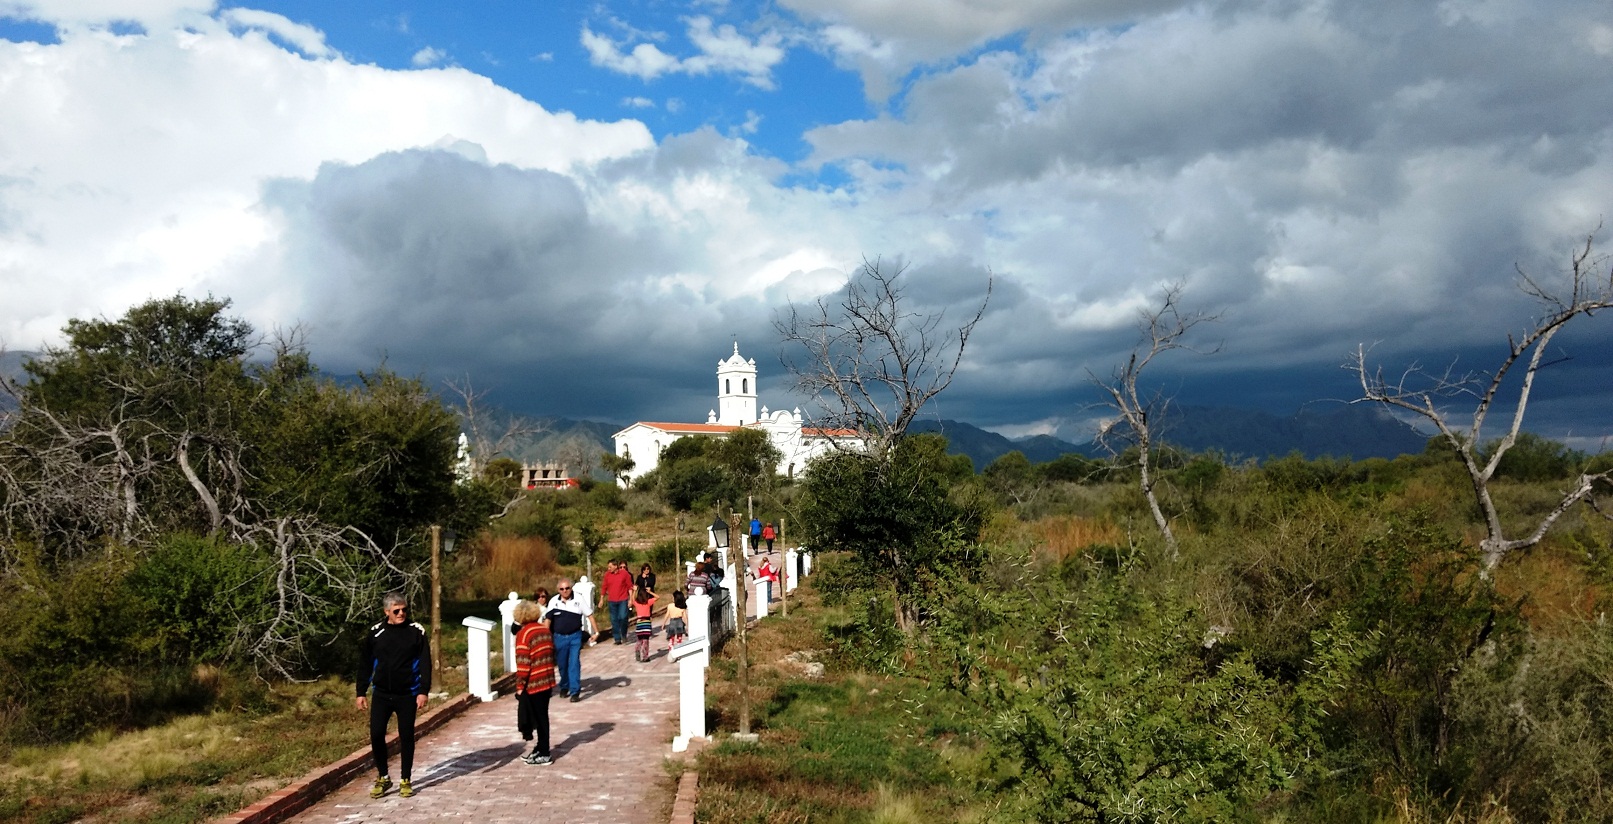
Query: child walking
point(676, 627)
point(643, 607)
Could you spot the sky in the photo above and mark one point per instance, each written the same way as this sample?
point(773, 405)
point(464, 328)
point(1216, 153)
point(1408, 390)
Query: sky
point(582, 206)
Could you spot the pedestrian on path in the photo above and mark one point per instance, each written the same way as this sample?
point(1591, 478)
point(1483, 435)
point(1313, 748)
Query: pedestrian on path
point(534, 679)
point(585, 594)
point(643, 628)
point(676, 627)
point(699, 582)
point(646, 578)
point(618, 588)
point(565, 614)
point(765, 572)
point(755, 534)
point(768, 534)
point(394, 668)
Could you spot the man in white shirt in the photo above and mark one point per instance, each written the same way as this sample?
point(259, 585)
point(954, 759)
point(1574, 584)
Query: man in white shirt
point(585, 594)
point(565, 616)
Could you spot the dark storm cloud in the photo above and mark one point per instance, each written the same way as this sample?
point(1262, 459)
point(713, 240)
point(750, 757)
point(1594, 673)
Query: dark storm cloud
point(446, 266)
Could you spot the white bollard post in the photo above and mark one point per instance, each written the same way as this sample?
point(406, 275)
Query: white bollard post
point(691, 657)
point(478, 669)
point(806, 565)
point(506, 611)
point(698, 620)
point(688, 569)
point(764, 591)
point(790, 578)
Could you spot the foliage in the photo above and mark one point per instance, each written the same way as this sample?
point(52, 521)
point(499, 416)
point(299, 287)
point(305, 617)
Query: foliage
point(1108, 702)
point(895, 516)
point(697, 473)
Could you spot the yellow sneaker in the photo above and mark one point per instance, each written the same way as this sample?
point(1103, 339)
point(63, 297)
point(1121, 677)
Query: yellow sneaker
point(382, 784)
point(405, 790)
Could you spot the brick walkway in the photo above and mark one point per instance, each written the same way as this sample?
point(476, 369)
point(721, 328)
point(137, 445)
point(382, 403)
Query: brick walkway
point(608, 752)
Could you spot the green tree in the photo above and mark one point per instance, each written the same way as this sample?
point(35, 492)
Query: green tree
point(617, 465)
point(894, 514)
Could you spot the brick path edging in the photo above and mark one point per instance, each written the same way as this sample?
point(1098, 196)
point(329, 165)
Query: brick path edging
point(301, 794)
point(688, 793)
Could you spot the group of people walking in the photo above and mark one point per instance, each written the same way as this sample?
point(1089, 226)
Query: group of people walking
point(394, 673)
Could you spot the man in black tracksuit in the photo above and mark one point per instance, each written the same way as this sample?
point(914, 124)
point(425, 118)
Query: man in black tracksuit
point(395, 659)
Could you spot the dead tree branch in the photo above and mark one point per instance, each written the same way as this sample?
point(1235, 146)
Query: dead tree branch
point(1428, 395)
point(1164, 329)
point(870, 361)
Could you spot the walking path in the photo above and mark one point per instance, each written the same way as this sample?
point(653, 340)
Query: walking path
point(608, 751)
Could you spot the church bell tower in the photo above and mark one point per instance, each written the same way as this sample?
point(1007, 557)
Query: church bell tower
point(736, 390)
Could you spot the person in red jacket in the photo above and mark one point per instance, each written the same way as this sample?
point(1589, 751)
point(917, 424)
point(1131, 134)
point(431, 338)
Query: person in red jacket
point(534, 679)
point(617, 589)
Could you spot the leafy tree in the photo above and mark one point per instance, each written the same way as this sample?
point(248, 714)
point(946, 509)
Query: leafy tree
point(894, 514)
point(617, 465)
point(1011, 476)
point(156, 426)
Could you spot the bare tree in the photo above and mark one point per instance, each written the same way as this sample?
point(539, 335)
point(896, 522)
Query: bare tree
point(1138, 414)
point(1427, 395)
point(869, 360)
point(490, 435)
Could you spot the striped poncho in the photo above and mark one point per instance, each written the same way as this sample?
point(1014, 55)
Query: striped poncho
point(534, 658)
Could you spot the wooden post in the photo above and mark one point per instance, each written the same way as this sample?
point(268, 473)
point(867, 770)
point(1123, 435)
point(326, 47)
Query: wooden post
point(436, 606)
point(744, 651)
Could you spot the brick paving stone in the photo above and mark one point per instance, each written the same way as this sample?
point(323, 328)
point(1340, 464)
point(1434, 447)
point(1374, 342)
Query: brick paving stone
point(608, 753)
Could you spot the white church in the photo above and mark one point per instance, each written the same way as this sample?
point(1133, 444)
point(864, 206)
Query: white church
point(736, 408)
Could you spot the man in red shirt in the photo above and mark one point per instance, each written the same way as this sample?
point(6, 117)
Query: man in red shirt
point(616, 589)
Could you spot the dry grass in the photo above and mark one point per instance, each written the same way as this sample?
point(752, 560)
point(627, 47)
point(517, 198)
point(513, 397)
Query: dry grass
point(508, 564)
point(1063, 536)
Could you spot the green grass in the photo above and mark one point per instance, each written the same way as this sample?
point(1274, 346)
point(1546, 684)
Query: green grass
point(849, 747)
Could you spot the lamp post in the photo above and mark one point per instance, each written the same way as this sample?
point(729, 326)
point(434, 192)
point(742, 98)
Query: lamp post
point(442, 540)
point(677, 547)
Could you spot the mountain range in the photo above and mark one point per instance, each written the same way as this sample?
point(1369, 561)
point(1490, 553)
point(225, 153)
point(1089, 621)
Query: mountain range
point(1345, 431)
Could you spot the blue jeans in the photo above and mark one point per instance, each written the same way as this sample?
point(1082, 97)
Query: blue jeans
point(618, 620)
point(568, 661)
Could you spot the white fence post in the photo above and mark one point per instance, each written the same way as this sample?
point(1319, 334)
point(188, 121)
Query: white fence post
point(478, 669)
point(791, 579)
point(506, 612)
point(806, 564)
point(764, 591)
point(698, 619)
point(691, 656)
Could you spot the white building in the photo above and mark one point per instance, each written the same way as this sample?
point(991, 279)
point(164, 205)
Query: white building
point(736, 407)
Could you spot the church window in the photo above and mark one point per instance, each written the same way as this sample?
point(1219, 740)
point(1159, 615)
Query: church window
point(744, 386)
point(727, 387)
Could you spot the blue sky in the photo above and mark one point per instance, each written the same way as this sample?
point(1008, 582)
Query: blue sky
point(580, 205)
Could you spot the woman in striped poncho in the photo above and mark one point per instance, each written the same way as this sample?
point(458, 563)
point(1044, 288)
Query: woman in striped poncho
point(534, 678)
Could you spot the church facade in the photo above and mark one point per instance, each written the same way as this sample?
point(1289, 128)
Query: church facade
point(736, 408)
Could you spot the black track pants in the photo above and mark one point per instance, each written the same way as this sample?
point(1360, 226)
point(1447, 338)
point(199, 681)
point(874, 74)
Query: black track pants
point(382, 707)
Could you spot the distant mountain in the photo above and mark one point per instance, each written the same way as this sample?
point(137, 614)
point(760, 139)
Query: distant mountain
point(1343, 432)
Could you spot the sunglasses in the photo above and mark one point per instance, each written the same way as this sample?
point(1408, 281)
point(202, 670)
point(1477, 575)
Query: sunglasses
point(397, 610)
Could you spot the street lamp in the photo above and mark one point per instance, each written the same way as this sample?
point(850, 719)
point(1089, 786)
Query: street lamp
point(719, 532)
